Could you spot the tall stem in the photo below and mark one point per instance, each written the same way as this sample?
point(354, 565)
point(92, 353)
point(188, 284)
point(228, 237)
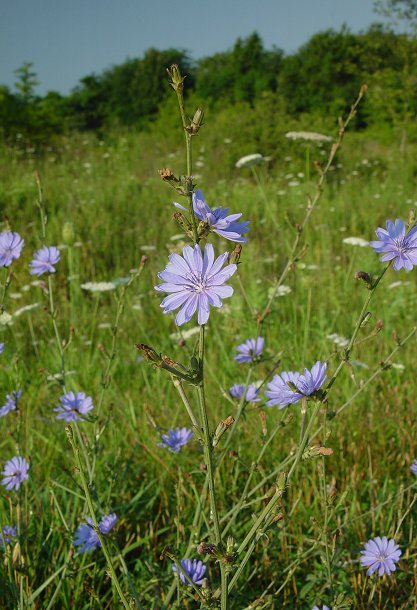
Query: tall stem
point(208, 447)
point(71, 438)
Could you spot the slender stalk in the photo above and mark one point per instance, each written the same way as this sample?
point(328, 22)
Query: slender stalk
point(180, 97)
point(312, 202)
point(255, 530)
point(357, 327)
point(207, 445)
point(89, 500)
point(208, 448)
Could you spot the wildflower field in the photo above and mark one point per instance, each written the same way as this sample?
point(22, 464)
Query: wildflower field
point(252, 442)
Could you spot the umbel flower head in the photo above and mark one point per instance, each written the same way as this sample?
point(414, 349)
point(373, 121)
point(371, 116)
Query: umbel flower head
point(249, 350)
point(249, 160)
point(86, 537)
point(252, 393)
point(74, 406)
point(176, 439)
point(380, 554)
point(218, 219)
point(44, 260)
point(11, 245)
point(15, 472)
point(11, 402)
point(195, 570)
point(195, 283)
point(394, 244)
point(290, 387)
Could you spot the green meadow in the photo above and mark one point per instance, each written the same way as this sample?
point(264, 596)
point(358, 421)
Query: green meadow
point(110, 215)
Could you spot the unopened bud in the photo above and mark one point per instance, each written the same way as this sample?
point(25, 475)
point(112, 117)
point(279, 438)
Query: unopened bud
point(68, 233)
point(262, 416)
point(411, 218)
point(378, 326)
point(204, 548)
point(364, 277)
point(203, 229)
point(366, 319)
point(221, 429)
point(177, 81)
point(184, 223)
point(197, 122)
point(149, 353)
point(234, 256)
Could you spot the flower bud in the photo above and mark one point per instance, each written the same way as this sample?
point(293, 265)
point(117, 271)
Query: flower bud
point(197, 122)
point(177, 81)
point(221, 429)
point(149, 353)
point(364, 277)
point(68, 233)
point(204, 548)
point(184, 223)
point(234, 256)
point(366, 319)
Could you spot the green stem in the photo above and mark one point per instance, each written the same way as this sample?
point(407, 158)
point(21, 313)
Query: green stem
point(208, 448)
point(187, 136)
point(76, 451)
point(357, 327)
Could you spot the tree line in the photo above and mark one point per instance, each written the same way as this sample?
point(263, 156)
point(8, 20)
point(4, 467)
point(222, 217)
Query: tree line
point(322, 77)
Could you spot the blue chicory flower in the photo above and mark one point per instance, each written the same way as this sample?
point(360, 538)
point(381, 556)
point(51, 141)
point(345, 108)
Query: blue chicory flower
point(8, 533)
point(74, 406)
point(86, 537)
point(395, 244)
point(218, 219)
point(290, 387)
point(413, 467)
point(195, 570)
point(250, 350)
point(11, 245)
point(324, 608)
point(15, 472)
point(252, 393)
point(1, 348)
point(11, 402)
point(380, 554)
point(44, 260)
point(176, 439)
point(196, 283)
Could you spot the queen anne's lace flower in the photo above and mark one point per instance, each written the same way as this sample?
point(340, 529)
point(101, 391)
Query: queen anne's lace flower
point(380, 554)
point(195, 283)
point(394, 244)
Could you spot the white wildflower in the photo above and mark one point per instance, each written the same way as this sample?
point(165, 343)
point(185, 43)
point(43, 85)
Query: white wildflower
point(308, 136)
point(249, 160)
point(356, 241)
point(98, 286)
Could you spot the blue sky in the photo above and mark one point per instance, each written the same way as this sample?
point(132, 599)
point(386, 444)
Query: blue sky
point(68, 39)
